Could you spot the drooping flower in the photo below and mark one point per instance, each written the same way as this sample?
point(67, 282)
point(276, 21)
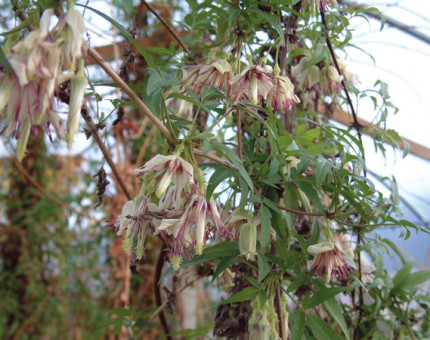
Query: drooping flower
point(198, 77)
point(330, 261)
point(27, 94)
point(75, 28)
point(253, 84)
point(307, 78)
point(180, 107)
point(282, 97)
point(78, 84)
point(176, 170)
point(248, 240)
point(135, 224)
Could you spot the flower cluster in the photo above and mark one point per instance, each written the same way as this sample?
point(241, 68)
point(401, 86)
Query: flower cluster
point(326, 78)
point(183, 217)
point(257, 84)
point(263, 323)
point(39, 64)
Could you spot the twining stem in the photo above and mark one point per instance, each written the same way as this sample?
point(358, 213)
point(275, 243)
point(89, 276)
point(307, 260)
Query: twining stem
point(133, 96)
point(168, 27)
point(106, 154)
point(356, 123)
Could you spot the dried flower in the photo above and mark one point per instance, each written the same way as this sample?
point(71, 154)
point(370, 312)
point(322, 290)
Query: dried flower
point(330, 261)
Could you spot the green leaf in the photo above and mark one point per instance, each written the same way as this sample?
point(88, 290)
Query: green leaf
point(323, 168)
point(222, 265)
point(5, 62)
point(322, 329)
point(266, 225)
point(234, 158)
point(222, 249)
point(333, 308)
point(402, 273)
point(273, 22)
point(326, 293)
point(245, 294)
point(263, 267)
point(298, 282)
point(297, 319)
point(414, 279)
point(160, 50)
point(220, 174)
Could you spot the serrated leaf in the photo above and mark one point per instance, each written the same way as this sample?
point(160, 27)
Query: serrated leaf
point(414, 279)
point(335, 311)
point(263, 267)
point(297, 320)
point(266, 225)
point(245, 294)
point(322, 329)
point(323, 168)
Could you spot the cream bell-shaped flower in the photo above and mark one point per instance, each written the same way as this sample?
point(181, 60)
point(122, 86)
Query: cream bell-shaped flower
point(329, 261)
point(78, 85)
point(282, 97)
point(198, 77)
point(254, 84)
point(176, 170)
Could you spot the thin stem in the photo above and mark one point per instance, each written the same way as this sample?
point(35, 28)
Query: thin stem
point(239, 136)
point(278, 308)
point(106, 154)
point(133, 96)
point(356, 123)
point(168, 27)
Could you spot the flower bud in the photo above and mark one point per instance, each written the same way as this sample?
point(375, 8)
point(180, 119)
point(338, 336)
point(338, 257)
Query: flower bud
point(248, 240)
point(79, 82)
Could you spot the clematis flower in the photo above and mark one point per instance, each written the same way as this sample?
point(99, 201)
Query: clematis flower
point(78, 84)
point(200, 76)
point(282, 98)
point(307, 78)
point(176, 170)
point(330, 261)
point(27, 94)
point(74, 30)
point(248, 240)
point(253, 84)
point(133, 222)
